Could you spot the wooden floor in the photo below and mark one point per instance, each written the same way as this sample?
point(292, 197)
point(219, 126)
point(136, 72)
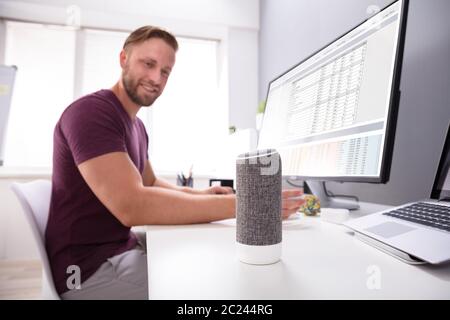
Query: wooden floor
point(20, 279)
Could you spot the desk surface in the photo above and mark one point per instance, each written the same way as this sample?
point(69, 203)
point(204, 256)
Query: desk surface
point(320, 260)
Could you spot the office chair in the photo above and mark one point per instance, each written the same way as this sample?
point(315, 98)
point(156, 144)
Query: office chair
point(35, 200)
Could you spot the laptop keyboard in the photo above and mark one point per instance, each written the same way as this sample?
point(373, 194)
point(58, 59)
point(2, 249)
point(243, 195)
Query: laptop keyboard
point(424, 213)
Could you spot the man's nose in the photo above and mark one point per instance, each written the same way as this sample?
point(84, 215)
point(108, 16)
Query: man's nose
point(154, 75)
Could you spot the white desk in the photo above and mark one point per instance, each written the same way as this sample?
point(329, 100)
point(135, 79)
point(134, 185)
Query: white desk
point(320, 260)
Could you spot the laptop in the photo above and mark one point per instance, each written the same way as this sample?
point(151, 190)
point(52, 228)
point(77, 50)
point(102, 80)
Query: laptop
point(417, 232)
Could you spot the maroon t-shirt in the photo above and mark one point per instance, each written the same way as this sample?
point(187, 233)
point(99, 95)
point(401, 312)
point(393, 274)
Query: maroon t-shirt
point(81, 231)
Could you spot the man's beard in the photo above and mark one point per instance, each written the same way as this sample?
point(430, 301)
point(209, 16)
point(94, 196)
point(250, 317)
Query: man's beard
point(131, 88)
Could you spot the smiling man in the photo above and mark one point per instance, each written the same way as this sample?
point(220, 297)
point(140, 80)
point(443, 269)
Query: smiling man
point(103, 182)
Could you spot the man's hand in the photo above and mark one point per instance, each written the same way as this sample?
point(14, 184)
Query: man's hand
point(291, 201)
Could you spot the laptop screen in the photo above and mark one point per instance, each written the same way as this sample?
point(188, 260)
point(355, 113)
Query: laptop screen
point(441, 186)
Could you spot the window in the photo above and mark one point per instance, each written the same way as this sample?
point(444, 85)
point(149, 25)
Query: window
point(57, 65)
point(189, 120)
point(100, 59)
point(43, 88)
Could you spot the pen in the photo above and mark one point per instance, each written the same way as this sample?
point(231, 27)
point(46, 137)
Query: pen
point(190, 171)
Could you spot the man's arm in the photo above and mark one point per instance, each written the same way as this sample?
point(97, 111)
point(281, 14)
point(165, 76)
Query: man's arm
point(150, 179)
point(136, 200)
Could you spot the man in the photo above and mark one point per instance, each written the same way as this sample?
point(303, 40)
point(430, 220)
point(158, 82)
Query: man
point(103, 182)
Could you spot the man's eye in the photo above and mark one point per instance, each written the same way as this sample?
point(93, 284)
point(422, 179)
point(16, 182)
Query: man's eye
point(149, 64)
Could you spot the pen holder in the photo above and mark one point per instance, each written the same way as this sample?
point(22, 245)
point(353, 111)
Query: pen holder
point(258, 207)
point(185, 182)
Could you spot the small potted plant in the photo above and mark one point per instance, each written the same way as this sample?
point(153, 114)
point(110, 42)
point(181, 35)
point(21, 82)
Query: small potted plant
point(260, 114)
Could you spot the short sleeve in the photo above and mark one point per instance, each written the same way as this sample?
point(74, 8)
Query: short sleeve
point(145, 135)
point(92, 128)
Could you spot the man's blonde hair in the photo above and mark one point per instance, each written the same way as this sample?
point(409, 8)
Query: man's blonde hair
point(148, 32)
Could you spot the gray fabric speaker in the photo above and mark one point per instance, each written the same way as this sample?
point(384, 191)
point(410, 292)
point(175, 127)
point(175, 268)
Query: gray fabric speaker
point(258, 207)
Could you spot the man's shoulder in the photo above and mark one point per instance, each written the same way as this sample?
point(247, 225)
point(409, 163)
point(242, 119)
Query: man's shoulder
point(90, 104)
point(97, 99)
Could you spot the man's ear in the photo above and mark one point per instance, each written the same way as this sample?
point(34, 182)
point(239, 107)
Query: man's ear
point(123, 58)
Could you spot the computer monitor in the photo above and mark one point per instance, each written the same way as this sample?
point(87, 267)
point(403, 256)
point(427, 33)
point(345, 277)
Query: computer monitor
point(332, 117)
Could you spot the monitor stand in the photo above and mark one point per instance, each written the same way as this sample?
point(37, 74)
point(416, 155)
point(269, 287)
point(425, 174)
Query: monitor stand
point(319, 189)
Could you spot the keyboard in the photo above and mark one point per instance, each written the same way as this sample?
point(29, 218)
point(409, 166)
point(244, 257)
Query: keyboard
point(427, 214)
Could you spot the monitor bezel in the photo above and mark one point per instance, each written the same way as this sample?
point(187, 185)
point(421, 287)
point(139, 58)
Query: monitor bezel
point(436, 192)
point(393, 102)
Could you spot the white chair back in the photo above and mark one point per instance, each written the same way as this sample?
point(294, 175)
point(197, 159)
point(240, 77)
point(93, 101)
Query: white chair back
point(35, 200)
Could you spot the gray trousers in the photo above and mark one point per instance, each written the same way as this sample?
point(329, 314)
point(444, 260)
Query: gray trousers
point(121, 277)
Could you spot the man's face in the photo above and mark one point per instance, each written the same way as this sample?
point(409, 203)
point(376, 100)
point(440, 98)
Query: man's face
point(146, 67)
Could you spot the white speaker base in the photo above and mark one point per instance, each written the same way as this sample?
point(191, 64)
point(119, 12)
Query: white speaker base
point(258, 254)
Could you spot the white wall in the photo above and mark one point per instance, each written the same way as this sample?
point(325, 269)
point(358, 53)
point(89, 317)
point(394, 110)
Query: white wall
point(243, 77)
point(170, 13)
point(234, 22)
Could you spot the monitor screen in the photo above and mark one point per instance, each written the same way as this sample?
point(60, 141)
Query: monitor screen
point(332, 116)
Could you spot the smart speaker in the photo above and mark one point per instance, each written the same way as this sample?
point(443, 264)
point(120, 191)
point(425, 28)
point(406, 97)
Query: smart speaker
point(258, 207)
